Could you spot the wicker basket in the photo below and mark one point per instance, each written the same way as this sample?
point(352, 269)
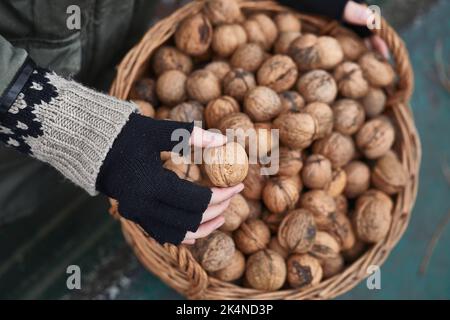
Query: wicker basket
point(176, 266)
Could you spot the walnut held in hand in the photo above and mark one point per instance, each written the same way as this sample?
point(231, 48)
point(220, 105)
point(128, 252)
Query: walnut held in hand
point(297, 231)
point(215, 251)
point(266, 270)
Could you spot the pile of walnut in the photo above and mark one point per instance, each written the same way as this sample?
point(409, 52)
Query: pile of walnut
point(332, 196)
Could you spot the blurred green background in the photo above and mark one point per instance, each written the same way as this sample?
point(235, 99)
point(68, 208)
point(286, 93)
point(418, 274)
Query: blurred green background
point(36, 250)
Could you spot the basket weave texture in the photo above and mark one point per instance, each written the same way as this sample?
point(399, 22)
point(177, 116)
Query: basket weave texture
point(176, 266)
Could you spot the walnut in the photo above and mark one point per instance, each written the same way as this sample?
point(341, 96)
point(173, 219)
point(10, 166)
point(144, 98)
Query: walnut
point(219, 68)
point(372, 217)
point(145, 89)
point(303, 270)
point(171, 87)
point(374, 102)
point(348, 116)
point(312, 52)
point(227, 38)
point(194, 35)
point(255, 207)
point(341, 204)
point(352, 46)
point(214, 252)
point(376, 70)
point(284, 41)
point(168, 58)
point(350, 80)
point(203, 86)
point(253, 235)
point(388, 174)
point(320, 204)
point(236, 213)
point(280, 194)
point(354, 252)
point(226, 165)
point(297, 231)
point(223, 11)
point(289, 161)
point(238, 124)
point(237, 83)
point(324, 116)
point(376, 137)
point(218, 109)
point(291, 101)
point(358, 178)
point(325, 246)
point(338, 148)
point(254, 182)
point(337, 184)
point(297, 130)
point(317, 85)
point(145, 108)
point(287, 22)
point(261, 29)
point(187, 112)
point(266, 270)
point(332, 266)
point(234, 270)
point(340, 227)
point(248, 57)
point(262, 104)
point(278, 72)
point(274, 245)
point(183, 169)
point(162, 113)
point(317, 172)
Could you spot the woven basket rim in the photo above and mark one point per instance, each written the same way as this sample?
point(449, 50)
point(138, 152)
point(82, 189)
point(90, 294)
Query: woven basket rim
point(176, 266)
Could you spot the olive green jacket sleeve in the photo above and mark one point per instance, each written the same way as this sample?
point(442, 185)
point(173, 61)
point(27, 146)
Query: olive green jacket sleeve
point(11, 60)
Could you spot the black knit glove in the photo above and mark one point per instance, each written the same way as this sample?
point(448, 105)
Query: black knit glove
point(165, 206)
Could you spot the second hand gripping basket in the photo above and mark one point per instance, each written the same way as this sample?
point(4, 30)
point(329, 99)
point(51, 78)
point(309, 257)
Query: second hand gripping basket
point(176, 266)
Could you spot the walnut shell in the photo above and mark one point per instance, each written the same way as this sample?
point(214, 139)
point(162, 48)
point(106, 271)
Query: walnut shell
point(236, 213)
point(325, 246)
point(266, 270)
point(320, 204)
point(287, 22)
point(341, 204)
point(236, 126)
point(187, 112)
point(226, 165)
point(219, 68)
point(203, 86)
point(145, 89)
point(340, 227)
point(183, 169)
point(254, 182)
point(352, 46)
point(338, 148)
point(284, 41)
point(145, 108)
point(253, 235)
point(215, 251)
point(194, 35)
point(374, 102)
point(350, 80)
point(248, 57)
point(324, 116)
point(332, 266)
point(291, 101)
point(262, 104)
point(376, 69)
point(372, 217)
point(171, 87)
point(303, 270)
point(280, 194)
point(222, 11)
point(376, 137)
point(312, 52)
point(162, 113)
point(388, 174)
point(255, 207)
point(337, 184)
point(348, 116)
point(317, 172)
point(279, 73)
point(274, 245)
point(317, 85)
point(297, 130)
point(237, 83)
point(234, 270)
point(289, 162)
point(168, 58)
point(358, 179)
point(261, 29)
point(227, 38)
point(297, 231)
point(218, 109)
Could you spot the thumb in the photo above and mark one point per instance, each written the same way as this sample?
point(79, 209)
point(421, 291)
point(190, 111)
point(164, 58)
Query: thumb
point(203, 138)
point(356, 13)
